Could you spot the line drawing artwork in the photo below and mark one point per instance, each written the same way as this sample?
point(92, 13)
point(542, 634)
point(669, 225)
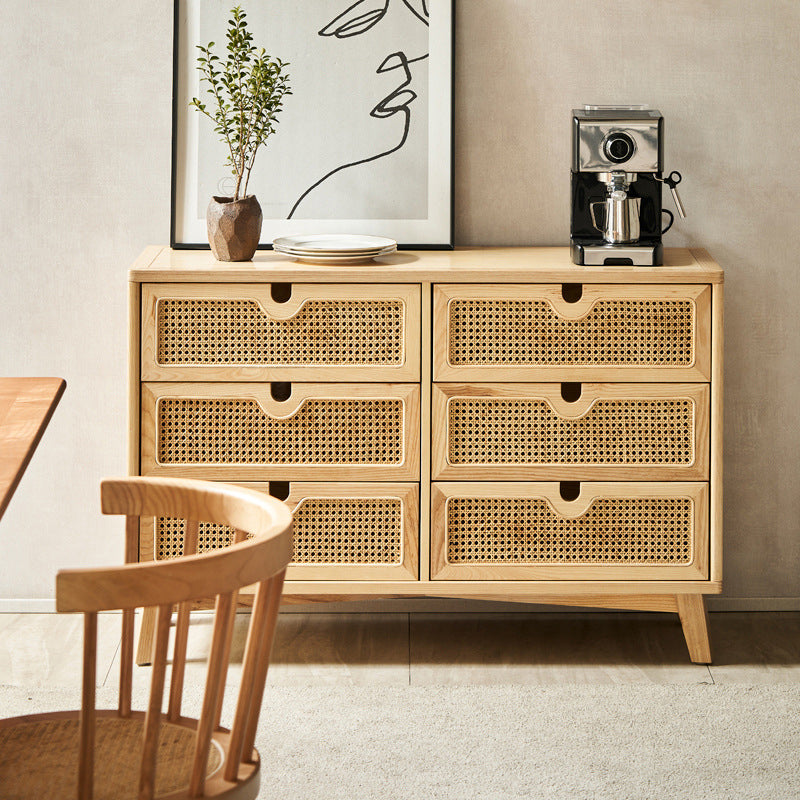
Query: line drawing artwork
point(355, 21)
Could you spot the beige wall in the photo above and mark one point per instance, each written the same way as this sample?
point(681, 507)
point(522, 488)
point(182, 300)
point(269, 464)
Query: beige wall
point(84, 150)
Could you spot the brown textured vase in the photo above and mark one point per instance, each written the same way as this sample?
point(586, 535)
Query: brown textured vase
point(234, 228)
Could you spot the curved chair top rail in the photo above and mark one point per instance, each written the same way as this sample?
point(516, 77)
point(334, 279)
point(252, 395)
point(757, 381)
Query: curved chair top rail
point(189, 577)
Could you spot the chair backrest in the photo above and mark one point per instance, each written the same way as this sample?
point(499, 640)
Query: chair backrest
point(261, 551)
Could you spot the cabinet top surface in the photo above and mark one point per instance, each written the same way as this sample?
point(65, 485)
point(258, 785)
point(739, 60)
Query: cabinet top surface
point(462, 265)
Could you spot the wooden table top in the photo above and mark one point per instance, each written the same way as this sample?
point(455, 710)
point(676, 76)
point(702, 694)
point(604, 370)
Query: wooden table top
point(26, 405)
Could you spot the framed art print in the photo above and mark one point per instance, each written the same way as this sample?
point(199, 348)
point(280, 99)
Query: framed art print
point(364, 144)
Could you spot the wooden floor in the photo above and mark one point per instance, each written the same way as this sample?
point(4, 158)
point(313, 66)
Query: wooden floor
point(394, 649)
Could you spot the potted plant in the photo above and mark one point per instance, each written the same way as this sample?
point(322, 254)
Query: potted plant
point(246, 94)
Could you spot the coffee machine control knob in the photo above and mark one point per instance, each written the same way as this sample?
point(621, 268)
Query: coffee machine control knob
point(618, 147)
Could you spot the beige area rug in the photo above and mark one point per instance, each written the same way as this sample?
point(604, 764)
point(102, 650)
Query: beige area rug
point(575, 742)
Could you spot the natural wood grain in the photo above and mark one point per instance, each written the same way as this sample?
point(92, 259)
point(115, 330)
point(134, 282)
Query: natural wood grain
point(273, 588)
point(245, 700)
point(238, 536)
point(152, 723)
point(190, 537)
point(134, 374)
point(465, 264)
point(444, 394)
point(717, 433)
point(144, 651)
point(190, 578)
point(87, 714)
point(303, 493)
point(186, 579)
point(528, 590)
point(428, 430)
point(26, 406)
point(443, 569)
point(694, 620)
point(302, 294)
point(466, 272)
point(126, 643)
point(406, 394)
point(444, 370)
point(215, 684)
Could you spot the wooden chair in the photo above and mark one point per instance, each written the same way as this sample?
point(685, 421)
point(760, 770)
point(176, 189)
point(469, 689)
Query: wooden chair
point(122, 753)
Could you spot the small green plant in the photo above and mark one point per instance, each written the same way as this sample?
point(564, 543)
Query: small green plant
point(247, 90)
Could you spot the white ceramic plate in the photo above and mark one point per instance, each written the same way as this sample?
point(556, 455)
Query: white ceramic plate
point(334, 244)
point(332, 254)
point(353, 258)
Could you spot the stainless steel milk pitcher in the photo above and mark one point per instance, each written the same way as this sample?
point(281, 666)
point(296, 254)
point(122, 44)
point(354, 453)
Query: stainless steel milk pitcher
point(620, 224)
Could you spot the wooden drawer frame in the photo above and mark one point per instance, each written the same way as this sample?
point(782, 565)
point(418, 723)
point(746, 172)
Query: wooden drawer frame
point(441, 569)
point(260, 293)
point(444, 393)
point(299, 492)
point(463, 273)
point(444, 294)
point(407, 394)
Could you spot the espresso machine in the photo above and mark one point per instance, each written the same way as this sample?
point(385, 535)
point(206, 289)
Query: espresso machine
point(617, 166)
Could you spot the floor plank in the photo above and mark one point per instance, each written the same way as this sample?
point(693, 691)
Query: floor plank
point(309, 649)
point(355, 649)
point(550, 648)
point(755, 648)
point(45, 650)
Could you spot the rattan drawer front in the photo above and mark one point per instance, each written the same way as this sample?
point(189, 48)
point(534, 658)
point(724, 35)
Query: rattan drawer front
point(613, 531)
point(233, 431)
point(354, 531)
point(613, 333)
point(237, 332)
point(526, 431)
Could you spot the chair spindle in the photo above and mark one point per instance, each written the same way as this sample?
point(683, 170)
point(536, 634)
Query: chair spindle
point(190, 539)
point(275, 588)
point(152, 722)
point(128, 615)
point(214, 686)
point(238, 536)
point(87, 716)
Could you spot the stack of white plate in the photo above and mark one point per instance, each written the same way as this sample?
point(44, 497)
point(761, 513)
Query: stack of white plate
point(334, 248)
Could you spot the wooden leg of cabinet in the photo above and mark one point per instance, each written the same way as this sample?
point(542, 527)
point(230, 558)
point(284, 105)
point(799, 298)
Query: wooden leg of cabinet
point(694, 620)
point(144, 654)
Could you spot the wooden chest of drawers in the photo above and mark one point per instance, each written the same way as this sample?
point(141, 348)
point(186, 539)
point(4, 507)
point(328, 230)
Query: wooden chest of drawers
point(490, 423)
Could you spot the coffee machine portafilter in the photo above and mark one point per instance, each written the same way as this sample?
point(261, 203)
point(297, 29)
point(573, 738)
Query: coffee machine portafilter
point(617, 166)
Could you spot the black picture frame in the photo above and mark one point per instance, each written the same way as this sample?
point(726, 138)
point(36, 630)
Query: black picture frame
point(438, 228)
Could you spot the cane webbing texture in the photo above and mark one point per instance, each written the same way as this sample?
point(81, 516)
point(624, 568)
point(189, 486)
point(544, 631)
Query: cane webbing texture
point(612, 333)
point(491, 430)
point(239, 332)
point(238, 431)
point(522, 530)
point(327, 530)
point(40, 759)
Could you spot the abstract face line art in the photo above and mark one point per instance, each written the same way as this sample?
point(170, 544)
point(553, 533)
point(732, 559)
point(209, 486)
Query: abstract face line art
point(353, 22)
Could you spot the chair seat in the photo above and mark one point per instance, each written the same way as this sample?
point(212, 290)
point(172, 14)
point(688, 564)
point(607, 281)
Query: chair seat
point(39, 756)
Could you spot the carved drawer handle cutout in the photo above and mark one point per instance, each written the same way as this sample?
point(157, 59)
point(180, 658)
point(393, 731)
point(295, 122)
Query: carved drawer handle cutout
point(570, 392)
point(280, 391)
point(281, 292)
point(279, 489)
point(569, 490)
point(571, 292)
